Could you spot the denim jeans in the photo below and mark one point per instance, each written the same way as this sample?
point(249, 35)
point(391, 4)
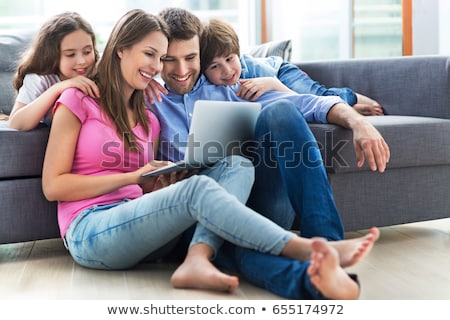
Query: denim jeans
point(290, 178)
point(282, 276)
point(118, 236)
point(297, 80)
point(290, 181)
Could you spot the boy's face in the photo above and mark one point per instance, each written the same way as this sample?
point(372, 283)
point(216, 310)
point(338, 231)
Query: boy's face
point(224, 70)
point(181, 68)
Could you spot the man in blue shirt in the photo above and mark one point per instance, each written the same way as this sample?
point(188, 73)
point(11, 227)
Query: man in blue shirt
point(290, 181)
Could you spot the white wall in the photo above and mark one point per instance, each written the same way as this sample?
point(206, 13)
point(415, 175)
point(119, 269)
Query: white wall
point(431, 27)
point(444, 27)
point(308, 22)
point(425, 28)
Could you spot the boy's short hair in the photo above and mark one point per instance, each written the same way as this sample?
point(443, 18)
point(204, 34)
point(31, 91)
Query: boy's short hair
point(218, 39)
point(183, 24)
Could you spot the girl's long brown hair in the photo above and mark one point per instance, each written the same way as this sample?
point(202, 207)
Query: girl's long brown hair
point(44, 53)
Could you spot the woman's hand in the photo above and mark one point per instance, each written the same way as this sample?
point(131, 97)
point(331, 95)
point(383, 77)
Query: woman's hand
point(154, 90)
point(149, 184)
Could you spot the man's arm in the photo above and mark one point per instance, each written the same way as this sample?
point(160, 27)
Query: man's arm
point(368, 142)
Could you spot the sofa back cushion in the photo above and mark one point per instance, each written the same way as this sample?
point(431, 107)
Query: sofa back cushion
point(282, 49)
point(411, 86)
point(12, 45)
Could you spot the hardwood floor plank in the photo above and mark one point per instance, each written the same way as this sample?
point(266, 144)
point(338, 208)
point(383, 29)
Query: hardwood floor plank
point(408, 262)
point(13, 259)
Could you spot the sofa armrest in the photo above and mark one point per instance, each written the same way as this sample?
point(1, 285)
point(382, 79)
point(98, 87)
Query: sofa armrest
point(415, 86)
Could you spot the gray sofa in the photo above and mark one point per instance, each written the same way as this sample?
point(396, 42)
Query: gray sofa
point(414, 91)
point(25, 214)
point(415, 94)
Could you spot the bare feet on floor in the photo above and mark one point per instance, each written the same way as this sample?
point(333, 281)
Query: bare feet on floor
point(202, 274)
point(327, 275)
point(351, 251)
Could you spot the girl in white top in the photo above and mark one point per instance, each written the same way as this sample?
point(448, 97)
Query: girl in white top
point(63, 55)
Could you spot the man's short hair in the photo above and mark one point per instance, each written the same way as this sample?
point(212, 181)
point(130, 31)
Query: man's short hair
point(183, 24)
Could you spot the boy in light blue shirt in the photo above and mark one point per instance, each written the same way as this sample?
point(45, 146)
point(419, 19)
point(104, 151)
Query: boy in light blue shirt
point(222, 64)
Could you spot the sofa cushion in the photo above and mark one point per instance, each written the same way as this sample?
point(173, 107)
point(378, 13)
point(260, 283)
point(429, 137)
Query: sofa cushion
point(12, 45)
point(273, 48)
point(22, 152)
point(25, 214)
point(413, 141)
point(407, 86)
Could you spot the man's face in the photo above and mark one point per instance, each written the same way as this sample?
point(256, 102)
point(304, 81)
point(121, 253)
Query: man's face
point(181, 68)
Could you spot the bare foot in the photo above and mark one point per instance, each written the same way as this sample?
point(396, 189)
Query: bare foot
point(202, 274)
point(367, 106)
point(351, 251)
point(326, 274)
point(369, 109)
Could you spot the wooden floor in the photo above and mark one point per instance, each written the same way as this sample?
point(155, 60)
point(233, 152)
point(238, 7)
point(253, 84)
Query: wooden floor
point(409, 262)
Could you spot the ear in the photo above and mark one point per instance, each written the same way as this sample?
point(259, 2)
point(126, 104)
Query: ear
point(120, 53)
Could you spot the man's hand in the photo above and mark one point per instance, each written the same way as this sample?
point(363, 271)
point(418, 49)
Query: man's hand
point(370, 145)
point(368, 142)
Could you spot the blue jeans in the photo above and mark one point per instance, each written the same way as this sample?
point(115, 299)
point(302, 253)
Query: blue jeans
point(282, 276)
point(297, 80)
point(290, 178)
point(118, 236)
point(290, 181)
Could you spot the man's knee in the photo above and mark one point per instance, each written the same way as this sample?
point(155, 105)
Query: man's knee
point(281, 117)
point(279, 109)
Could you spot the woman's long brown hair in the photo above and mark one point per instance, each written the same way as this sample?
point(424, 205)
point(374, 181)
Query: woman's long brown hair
point(129, 30)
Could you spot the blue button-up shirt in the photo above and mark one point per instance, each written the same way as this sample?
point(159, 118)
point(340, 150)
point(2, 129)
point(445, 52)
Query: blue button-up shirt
point(175, 112)
point(291, 76)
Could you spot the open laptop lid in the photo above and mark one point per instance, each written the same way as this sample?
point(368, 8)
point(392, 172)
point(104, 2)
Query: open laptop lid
point(218, 129)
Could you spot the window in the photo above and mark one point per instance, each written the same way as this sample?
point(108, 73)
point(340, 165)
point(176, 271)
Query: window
point(377, 28)
point(337, 29)
point(30, 14)
point(319, 29)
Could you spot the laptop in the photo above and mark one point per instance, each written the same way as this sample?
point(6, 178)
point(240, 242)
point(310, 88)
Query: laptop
point(218, 129)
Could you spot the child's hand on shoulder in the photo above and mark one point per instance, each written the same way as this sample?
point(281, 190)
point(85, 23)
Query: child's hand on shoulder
point(252, 89)
point(82, 83)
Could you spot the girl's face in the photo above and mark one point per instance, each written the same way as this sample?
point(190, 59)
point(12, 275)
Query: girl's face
point(142, 61)
point(77, 55)
point(224, 70)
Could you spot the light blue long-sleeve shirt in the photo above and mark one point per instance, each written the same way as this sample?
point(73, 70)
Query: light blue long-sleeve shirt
point(291, 76)
point(175, 111)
